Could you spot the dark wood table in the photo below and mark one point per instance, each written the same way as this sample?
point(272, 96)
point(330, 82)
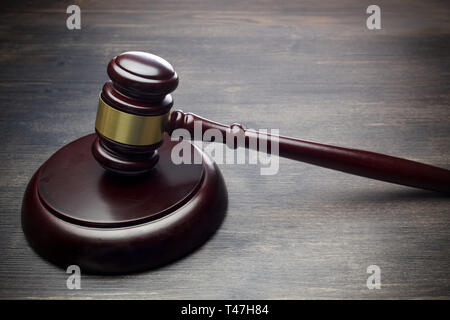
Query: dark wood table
point(311, 69)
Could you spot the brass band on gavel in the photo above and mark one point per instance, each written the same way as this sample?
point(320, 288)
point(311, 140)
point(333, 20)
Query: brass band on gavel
point(129, 128)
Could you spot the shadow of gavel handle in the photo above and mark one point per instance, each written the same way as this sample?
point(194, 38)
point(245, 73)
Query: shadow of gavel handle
point(358, 162)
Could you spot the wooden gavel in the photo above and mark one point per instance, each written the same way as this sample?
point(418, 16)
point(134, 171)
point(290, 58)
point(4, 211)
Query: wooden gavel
point(75, 212)
point(134, 112)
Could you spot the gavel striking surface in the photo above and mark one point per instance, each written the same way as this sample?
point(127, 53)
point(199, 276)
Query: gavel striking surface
point(75, 212)
point(114, 201)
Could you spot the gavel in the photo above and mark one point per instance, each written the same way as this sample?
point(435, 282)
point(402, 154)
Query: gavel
point(144, 210)
point(134, 111)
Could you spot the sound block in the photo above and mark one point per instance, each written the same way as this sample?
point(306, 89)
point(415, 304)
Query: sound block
point(76, 213)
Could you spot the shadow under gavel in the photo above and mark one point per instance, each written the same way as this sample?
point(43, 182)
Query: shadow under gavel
point(358, 162)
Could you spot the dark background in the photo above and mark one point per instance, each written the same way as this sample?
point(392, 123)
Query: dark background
point(309, 68)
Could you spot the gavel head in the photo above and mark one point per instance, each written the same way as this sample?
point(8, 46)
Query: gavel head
point(132, 111)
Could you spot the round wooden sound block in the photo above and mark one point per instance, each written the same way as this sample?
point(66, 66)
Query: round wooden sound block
point(76, 213)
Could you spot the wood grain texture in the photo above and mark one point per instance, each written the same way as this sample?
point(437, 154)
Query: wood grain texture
point(309, 68)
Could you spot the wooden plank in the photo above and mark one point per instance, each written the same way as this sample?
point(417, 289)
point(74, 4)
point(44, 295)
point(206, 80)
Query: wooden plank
point(309, 68)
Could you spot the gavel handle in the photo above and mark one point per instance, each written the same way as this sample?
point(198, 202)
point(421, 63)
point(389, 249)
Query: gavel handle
point(358, 162)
